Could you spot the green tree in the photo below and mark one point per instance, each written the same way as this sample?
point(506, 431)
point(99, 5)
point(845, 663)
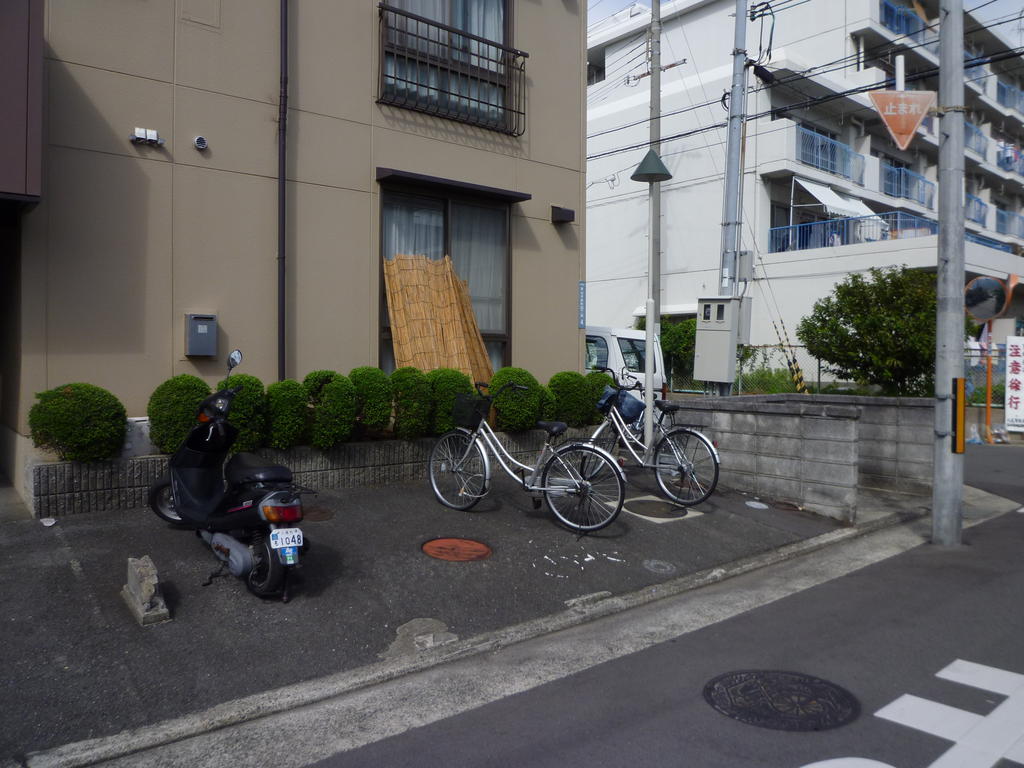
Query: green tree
point(678, 343)
point(877, 329)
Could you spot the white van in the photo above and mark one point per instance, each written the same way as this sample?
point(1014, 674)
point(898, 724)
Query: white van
point(623, 349)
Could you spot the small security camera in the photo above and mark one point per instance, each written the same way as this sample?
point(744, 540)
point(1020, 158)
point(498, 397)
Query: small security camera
point(200, 143)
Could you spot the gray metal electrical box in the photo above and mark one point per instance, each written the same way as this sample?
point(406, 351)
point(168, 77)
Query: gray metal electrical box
point(201, 335)
point(723, 322)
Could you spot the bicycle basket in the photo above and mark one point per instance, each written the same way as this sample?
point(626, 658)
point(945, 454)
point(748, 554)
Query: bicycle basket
point(469, 410)
point(605, 403)
point(630, 408)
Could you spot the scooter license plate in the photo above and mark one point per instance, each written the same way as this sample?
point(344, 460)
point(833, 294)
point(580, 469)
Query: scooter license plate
point(280, 538)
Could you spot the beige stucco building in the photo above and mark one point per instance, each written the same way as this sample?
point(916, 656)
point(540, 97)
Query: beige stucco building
point(440, 126)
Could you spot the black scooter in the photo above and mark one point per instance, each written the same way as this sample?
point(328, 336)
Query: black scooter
point(246, 510)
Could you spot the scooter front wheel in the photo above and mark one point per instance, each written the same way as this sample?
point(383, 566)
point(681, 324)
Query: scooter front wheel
point(267, 575)
point(161, 501)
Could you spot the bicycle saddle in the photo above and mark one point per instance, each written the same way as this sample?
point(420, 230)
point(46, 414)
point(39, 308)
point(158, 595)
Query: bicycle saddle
point(553, 428)
point(667, 406)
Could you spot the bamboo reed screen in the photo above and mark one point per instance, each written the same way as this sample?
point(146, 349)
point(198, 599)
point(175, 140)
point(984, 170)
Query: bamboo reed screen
point(432, 320)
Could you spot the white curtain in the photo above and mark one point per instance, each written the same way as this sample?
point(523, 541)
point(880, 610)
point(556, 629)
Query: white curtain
point(413, 226)
point(479, 240)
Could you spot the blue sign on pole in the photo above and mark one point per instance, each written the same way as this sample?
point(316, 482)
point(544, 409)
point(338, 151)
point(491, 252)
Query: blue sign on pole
point(583, 304)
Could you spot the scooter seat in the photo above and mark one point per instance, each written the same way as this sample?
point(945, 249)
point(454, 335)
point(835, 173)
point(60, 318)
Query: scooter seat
point(249, 468)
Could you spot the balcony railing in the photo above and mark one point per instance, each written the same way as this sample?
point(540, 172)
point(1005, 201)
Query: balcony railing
point(830, 155)
point(988, 242)
point(862, 229)
point(902, 20)
point(1009, 223)
point(448, 72)
point(1008, 96)
point(893, 225)
point(976, 210)
point(975, 140)
point(901, 182)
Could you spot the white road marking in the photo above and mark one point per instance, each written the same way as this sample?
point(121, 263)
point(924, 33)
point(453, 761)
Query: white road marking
point(980, 741)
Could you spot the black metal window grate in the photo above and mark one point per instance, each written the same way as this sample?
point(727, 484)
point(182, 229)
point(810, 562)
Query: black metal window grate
point(441, 70)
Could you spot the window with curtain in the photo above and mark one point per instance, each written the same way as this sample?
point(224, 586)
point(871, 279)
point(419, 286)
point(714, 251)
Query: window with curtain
point(429, 66)
point(475, 235)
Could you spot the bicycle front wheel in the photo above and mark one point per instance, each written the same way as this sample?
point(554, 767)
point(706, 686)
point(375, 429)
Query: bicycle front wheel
point(458, 470)
point(582, 487)
point(686, 465)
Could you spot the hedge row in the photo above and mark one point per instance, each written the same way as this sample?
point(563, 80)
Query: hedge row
point(82, 422)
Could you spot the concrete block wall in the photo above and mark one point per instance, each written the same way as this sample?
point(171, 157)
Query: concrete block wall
point(894, 436)
point(812, 451)
point(66, 488)
point(801, 452)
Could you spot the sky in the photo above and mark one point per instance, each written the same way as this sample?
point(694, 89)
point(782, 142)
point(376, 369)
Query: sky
point(987, 11)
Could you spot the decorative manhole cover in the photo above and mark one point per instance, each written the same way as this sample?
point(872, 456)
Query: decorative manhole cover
point(457, 550)
point(785, 701)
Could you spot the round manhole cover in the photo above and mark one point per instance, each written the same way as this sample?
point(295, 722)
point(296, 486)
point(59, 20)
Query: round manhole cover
point(785, 701)
point(457, 550)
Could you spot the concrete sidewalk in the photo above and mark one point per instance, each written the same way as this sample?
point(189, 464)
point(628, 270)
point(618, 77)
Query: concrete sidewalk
point(368, 604)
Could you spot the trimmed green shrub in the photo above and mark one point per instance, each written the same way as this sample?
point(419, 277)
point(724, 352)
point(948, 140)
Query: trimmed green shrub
point(172, 410)
point(335, 416)
point(547, 404)
point(411, 392)
point(287, 414)
point(80, 422)
point(373, 397)
point(517, 411)
point(248, 411)
point(572, 393)
point(314, 383)
point(445, 383)
point(597, 381)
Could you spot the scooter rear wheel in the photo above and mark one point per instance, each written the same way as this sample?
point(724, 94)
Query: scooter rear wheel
point(267, 575)
point(161, 501)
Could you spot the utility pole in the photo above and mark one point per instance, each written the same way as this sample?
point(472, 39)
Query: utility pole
point(733, 173)
point(948, 478)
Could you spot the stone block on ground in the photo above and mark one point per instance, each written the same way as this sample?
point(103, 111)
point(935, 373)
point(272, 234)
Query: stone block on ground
point(142, 592)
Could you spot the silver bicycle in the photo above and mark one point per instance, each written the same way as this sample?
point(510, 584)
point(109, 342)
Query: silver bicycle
point(684, 461)
point(582, 484)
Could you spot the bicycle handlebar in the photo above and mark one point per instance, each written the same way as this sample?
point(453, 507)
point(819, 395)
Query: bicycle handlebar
point(480, 386)
point(615, 381)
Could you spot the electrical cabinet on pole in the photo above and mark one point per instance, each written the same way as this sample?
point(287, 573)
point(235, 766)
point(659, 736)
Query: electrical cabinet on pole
point(948, 478)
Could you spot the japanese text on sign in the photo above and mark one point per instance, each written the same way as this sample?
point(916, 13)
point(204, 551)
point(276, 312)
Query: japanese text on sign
point(1014, 415)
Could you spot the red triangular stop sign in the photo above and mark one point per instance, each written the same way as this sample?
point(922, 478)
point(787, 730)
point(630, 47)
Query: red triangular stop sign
point(902, 112)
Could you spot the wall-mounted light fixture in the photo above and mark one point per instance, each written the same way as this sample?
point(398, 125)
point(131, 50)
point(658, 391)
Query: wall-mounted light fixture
point(562, 215)
point(146, 136)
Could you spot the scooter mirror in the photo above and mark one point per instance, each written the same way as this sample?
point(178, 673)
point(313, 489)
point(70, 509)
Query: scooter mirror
point(234, 359)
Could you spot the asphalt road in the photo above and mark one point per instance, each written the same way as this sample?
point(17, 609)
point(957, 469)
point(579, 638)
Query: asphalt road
point(628, 688)
point(881, 633)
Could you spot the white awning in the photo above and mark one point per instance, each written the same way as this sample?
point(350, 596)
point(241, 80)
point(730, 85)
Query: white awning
point(668, 309)
point(833, 202)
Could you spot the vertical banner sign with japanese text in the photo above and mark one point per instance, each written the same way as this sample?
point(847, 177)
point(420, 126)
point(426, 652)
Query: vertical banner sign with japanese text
point(1014, 415)
point(902, 112)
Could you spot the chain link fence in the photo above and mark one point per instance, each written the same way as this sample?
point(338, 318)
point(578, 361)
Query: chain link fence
point(976, 367)
point(770, 369)
point(761, 370)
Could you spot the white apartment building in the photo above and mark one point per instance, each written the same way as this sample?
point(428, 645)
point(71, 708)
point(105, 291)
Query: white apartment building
point(826, 191)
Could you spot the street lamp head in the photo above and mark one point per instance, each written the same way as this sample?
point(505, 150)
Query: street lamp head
point(651, 169)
